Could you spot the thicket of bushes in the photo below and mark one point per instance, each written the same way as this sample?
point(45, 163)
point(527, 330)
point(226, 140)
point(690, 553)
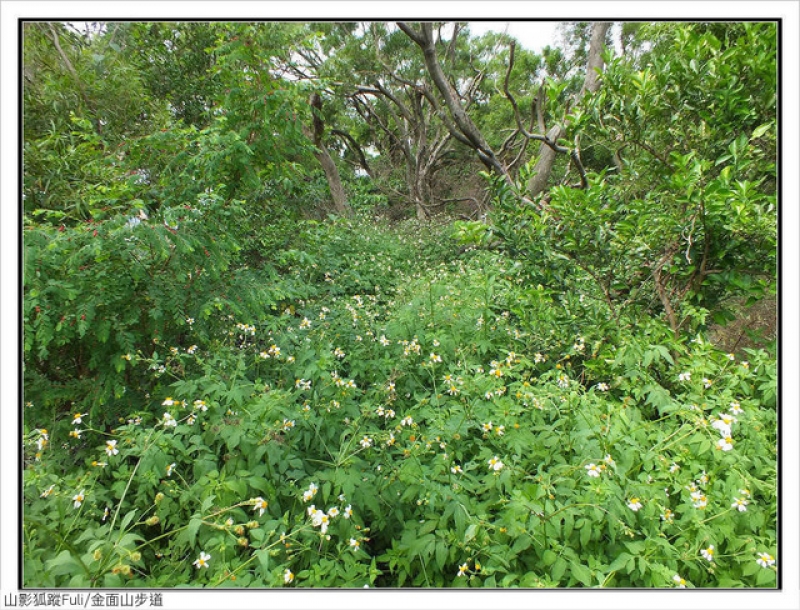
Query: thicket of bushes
point(387, 411)
point(221, 391)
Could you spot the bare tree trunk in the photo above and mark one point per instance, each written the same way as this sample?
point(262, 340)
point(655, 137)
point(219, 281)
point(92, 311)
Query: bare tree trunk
point(467, 132)
point(422, 214)
point(416, 190)
point(547, 156)
point(544, 163)
point(594, 63)
point(334, 181)
point(326, 161)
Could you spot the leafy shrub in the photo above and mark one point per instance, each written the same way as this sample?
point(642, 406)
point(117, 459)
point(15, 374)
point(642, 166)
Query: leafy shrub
point(429, 433)
point(68, 181)
point(101, 291)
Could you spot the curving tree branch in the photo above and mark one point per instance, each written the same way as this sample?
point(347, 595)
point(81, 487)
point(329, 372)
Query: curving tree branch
point(460, 126)
point(354, 146)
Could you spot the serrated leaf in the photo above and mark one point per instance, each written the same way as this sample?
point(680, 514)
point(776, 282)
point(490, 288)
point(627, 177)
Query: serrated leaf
point(263, 559)
point(207, 503)
point(191, 529)
point(569, 525)
point(765, 577)
point(520, 544)
point(460, 519)
point(441, 554)
point(750, 568)
point(586, 534)
point(129, 540)
point(619, 562)
point(428, 527)
point(664, 353)
point(63, 563)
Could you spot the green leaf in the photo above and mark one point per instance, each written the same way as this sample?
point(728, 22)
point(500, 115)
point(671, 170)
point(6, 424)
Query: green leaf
point(636, 547)
point(569, 525)
point(460, 519)
point(586, 534)
point(549, 557)
point(128, 540)
point(194, 525)
point(750, 568)
point(428, 527)
point(520, 544)
point(63, 563)
point(619, 562)
point(559, 567)
point(761, 130)
point(662, 349)
point(441, 554)
point(263, 559)
point(766, 577)
point(470, 533)
point(127, 519)
point(581, 573)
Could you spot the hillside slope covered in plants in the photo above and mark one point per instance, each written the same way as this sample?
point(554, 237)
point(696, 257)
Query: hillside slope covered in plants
point(441, 321)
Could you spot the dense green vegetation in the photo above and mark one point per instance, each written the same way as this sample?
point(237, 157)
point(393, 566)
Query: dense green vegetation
point(449, 377)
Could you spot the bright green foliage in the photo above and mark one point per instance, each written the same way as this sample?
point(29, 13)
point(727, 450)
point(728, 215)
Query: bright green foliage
point(89, 78)
point(687, 217)
point(457, 428)
point(68, 180)
point(100, 291)
point(176, 64)
point(80, 106)
point(225, 388)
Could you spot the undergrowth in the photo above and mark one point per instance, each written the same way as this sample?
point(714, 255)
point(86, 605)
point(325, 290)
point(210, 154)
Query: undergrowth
point(376, 406)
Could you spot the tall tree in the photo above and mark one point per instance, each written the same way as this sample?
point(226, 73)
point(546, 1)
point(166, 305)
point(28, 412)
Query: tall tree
point(464, 129)
point(316, 134)
point(176, 64)
point(685, 216)
point(394, 109)
point(549, 148)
